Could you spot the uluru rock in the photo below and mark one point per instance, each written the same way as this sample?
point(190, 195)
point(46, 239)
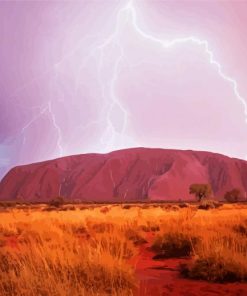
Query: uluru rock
point(130, 174)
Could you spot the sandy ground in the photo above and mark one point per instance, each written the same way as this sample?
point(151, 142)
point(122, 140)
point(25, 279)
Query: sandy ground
point(162, 278)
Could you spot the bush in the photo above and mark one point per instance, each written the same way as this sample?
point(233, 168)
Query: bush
point(7, 204)
point(145, 206)
point(82, 208)
point(57, 202)
point(213, 269)
point(209, 204)
point(105, 210)
point(50, 209)
point(135, 237)
point(68, 208)
point(241, 228)
point(183, 205)
point(173, 245)
point(167, 207)
point(232, 196)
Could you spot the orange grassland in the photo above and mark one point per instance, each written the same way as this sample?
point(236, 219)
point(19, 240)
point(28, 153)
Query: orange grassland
point(94, 249)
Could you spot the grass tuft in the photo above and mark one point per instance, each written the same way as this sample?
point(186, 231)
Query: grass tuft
point(173, 245)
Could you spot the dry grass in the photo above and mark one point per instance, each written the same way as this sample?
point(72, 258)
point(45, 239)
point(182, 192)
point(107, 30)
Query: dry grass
point(64, 253)
point(216, 239)
point(86, 249)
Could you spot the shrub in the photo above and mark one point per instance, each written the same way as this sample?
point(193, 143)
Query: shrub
point(57, 202)
point(105, 210)
point(7, 204)
point(220, 257)
point(209, 204)
point(173, 245)
point(50, 209)
point(135, 236)
point(175, 208)
point(82, 208)
point(215, 269)
point(145, 206)
point(3, 204)
point(167, 207)
point(183, 205)
point(241, 228)
point(232, 196)
point(68, 208)
point(79, 229)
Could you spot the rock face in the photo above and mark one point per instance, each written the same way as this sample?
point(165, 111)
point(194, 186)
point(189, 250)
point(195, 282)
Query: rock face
point(131, 174)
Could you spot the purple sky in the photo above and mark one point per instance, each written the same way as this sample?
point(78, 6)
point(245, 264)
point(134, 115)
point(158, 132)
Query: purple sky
point(94, 76)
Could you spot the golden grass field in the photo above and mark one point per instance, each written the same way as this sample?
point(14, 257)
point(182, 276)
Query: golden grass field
point(90, 249)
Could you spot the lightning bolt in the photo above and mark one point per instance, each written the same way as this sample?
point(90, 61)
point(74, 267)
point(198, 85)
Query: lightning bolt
point(128, 13)
point(47, 108)
point(58, 129)
point(42, 110)
point(113, 137)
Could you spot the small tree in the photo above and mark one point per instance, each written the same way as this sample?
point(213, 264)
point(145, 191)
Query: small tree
point(57, 202)
point(233, 195)
point(200, 190)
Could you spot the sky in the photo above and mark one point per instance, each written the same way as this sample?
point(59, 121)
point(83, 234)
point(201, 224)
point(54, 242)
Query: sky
point(96, 76)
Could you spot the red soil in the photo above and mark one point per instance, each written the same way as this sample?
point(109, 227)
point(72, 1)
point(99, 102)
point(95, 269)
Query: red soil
point(162, 278)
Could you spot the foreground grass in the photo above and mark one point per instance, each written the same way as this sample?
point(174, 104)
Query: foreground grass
point(64, 253)
point(215, 239)
point(86, 250)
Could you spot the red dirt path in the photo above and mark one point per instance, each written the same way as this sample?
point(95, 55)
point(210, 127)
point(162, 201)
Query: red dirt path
point(162, 278)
